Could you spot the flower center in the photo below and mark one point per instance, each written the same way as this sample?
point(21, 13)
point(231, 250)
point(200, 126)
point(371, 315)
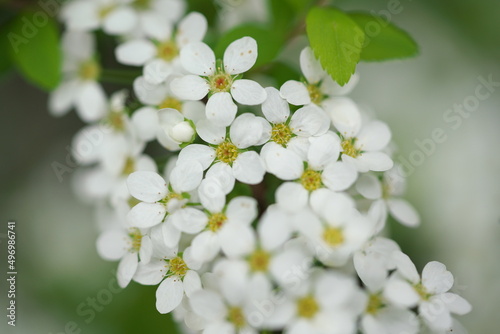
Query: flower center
point(333, 236)
point(315, 94)
point(311, 180)
point(259, 260)
point(171, 196)
point(307, 307)
point(129, 166)
point(422, 291)
point(236, 317)
point(178, 266)
point(136, 238)
point(281, 134)
point(348, 148)
point(167, 50)
point(116, 121)
point(375, 303)
point(171, 102)
point(226, 152)
point(89, 70)
point(216, 221)
point(220, 82)
point(104, 11)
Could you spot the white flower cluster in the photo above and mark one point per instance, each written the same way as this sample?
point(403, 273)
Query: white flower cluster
point(270, 211)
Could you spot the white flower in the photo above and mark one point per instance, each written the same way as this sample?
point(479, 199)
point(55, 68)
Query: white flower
point(227, 227)
point(158, 199)
point(319, 85)
point(321, 169)
point(430, 293)
point(160, 55)
point(361, 143)
point(178, 277)
point(220, 80)
point(126, 245)
point(79, 87)
point(232, 161)
point(336, 229)
point(328, 302)
point(386, 193)
point(114, 16)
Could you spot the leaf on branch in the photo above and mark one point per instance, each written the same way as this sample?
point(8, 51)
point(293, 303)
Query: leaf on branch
point(34, 48)
point(383, 40)
point(336, 41)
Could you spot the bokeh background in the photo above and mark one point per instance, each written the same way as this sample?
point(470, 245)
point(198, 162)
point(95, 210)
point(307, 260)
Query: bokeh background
point(456, 188)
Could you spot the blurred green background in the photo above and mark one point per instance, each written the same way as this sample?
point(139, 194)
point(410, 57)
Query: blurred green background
point(456, 189)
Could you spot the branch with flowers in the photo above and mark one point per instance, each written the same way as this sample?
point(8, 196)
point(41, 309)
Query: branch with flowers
point(254, 193)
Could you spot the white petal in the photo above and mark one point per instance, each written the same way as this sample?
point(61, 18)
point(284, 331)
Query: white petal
point(151, 273)
point(112, 244)
point(205, 246)
point(274, 228)
point(127, 269)
point(310, 66)
point(345, 115)
point(376, 161)
point(323, 150)
point(80, 15)
point(147, 186)
point(339, 176)
point(190, 87)
point(275, 108)
point(309, 121)
point(403, 212)
point(192, 282)
point(223, 173)
point(171, 235)
point(242, 209)
point(240, 55)
point(191, 29)
point(146, 249)
point(435, 315)
point(292, 196)
point(330, 87)
point(189, 220)
point(145, 121)
point(211, 132)
point(186, 176)
point(169, 294)
point(406, 267)
point(205, 155)
point(211, 195)
point(236, 239)
point(249, 168)
point(245, 130)
point(221, 109)
point(149, 93)
point(455, 303)
point(282, 162)
point(146, 214)
point(157, 70)
point(120, 21)
point(198, 58)
point(436, 278)
point(369, 186)
point(374, 136)
point(135, 52)
point(248, 92)
point(208, 304)
point(156, 27)
point(61, 99)
point(295, 92)
point(91, 102)
point(401, 293)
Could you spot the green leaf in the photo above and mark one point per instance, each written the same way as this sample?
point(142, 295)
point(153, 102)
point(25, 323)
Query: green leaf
point(268, 41)
point(383, 40)
point(35, 49)
point(299, 5)
point(282, 72)
point(282, 15)
point(336, 41)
